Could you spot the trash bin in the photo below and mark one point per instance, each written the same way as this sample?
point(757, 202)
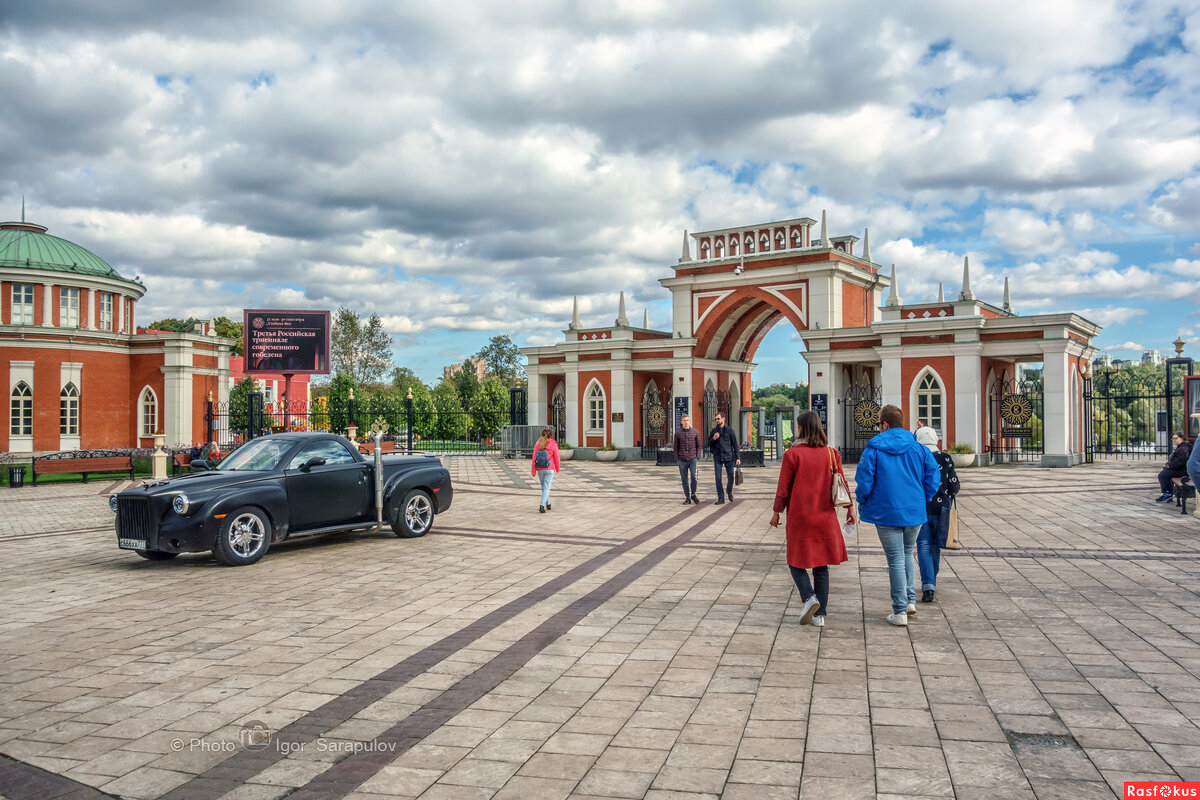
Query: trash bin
point(16, 477)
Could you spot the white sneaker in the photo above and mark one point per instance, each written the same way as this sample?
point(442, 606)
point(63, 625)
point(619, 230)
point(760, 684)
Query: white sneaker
point(912, 609)
point(898, 619)
point(810, 608)
point(818, 620)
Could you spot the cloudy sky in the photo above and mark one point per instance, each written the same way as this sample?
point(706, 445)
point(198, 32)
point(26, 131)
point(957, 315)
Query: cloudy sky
point(464, 169)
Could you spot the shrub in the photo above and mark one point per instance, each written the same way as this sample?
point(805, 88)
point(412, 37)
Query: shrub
point(608, 447)
point(960, 448)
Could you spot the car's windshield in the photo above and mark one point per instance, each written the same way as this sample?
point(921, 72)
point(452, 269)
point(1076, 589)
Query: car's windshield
point(260, 454)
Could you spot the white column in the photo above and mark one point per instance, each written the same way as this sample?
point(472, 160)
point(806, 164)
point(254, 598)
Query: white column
point(890, 377)
point(621, 379)
point(177, 392)
point(574, 412)
point(48, 305)
point(536, 396)
point(819, 362)
point(968, 399)
point(1056, 388)
point(119, 310)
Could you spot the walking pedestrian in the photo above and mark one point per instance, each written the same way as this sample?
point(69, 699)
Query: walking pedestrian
point(545, 465)
point(814, 535)
point(687, 446)
point(894, 479)
point(723, 443)
point(932, 536)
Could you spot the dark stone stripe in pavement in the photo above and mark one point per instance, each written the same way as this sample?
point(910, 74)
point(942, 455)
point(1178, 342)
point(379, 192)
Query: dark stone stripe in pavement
point(21, 781)
point(345, 776)
point(540, 538)
point(316, 723)
point(517, 479)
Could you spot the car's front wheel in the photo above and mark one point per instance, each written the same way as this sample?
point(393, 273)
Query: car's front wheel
point(414, 516)
point(155, 555)
point(243, 538)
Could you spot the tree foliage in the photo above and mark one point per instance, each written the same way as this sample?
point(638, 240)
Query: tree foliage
point(451, 422)
point(466, 383)
point(339, 399)
point(504, 361)
point(239, 403)
point(489, 408)
point(230, 330)
point(424, 411)
point(362, 350)
point(770, 396)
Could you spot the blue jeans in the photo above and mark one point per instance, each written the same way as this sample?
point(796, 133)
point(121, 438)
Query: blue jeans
point(929, 551)
point(686, 467)
point(1193, 465)
point(898, 547)
point(546, 476)
point(728, 466)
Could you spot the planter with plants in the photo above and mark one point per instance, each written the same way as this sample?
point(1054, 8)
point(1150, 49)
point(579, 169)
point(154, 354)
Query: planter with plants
point(565, 451)
point(962, 454)
point(608, 452)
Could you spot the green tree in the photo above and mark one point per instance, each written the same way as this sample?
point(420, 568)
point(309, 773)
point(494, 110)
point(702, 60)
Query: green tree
point(230, 330)
point(424, 411)
point(402, 378)
point(239, 403)
point(451, 422)
point(361, 350)
point(170, 324)
point(504, 361)
point(339, 400)
point(466, 383)
point(489, 408)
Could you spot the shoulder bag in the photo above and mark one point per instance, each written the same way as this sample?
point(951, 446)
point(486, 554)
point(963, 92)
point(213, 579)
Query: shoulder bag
point(839, 492)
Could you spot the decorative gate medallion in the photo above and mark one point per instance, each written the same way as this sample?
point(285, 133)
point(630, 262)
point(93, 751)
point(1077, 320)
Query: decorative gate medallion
point(1015, 412)
point(866, 413)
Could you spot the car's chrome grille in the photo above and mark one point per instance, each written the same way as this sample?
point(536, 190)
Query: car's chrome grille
point(133, 518)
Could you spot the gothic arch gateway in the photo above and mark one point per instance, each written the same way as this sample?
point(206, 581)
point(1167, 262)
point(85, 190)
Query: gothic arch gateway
point(929, 358)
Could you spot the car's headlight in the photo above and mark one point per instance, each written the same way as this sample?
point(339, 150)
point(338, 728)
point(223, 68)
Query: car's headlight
point(181, 504)
point(112, 503)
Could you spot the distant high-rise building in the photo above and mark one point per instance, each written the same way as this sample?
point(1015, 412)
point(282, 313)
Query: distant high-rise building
point(478, 364)
point(1151, 358)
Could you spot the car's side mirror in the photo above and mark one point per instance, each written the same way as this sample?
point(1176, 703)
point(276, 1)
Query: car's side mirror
point(312, 462)
point(199, 465)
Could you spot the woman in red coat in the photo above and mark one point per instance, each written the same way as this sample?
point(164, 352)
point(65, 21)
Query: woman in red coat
point(814, 535)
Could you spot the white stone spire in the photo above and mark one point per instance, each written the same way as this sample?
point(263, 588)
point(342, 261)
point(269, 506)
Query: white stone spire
point(646, 319)
point(622, 320)
point(575, 314)
point(966, 293)
point(687, 249)
point(824, 240)
point(866, 244)
point(941, 293)
point(1008, 306)
point(894, 300)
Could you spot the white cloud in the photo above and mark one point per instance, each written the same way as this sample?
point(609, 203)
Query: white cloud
point(1123, 347)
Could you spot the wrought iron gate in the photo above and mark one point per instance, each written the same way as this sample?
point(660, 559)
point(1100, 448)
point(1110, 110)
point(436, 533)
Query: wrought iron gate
point(656, 422)
point(1126, 414)
point(558, 417)
point(714, 402)
point(860, 419)
point(1015, 413)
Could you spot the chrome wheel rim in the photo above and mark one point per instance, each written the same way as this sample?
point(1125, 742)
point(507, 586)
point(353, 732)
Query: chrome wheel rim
point(418, 513)
point(246, 535)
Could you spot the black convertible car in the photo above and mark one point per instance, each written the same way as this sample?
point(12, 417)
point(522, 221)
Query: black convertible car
point(280, 487)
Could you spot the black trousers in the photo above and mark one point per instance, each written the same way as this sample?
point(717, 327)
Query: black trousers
point(820, 577)
point(1164, 478)
point(728, 467)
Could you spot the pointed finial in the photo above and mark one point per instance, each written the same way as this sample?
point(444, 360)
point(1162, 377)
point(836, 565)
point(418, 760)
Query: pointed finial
point(966, 293)
point(1008, 306)
point(687, 250)
point(622, 320)
point(866, 244)
point(824, 240)
point(646, 319)
point(894, 300)
point(941, 293)
point(575, 314)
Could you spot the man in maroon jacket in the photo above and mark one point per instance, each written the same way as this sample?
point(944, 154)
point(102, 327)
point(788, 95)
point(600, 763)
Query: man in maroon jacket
point(687, 446)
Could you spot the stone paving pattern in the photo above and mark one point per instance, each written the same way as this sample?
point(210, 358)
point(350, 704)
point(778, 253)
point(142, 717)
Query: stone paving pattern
point(620, 646)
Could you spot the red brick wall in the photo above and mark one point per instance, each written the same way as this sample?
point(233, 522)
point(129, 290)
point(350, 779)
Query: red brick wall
point(5, 302)
point(855, 311)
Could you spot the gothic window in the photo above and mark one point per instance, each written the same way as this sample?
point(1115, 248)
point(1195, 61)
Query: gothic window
point(765, 241)
point(929, 403)
point(595, 409)
point(779, 240)
point(749, 243)
point(719, 248)
point(733, 246)
point(149, 408)
point(795, 238)
point(68, 411)
point(21, 410)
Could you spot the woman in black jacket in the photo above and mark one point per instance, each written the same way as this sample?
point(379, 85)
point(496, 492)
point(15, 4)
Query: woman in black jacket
point(1176, 465)
point(932, 537)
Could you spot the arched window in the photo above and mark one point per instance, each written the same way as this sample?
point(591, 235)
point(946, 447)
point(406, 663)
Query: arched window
point(719, 248)
point(749, 243)
point(765, 241)
point(929, 403)
point(595, 409)
point(149, 407)
point(733, 246)
point(68, 411)
point(779, 240)
point(795, 238)
point(704, 249)
point(20, 413)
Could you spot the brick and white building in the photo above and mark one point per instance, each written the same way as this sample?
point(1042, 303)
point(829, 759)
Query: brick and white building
point(78, 374)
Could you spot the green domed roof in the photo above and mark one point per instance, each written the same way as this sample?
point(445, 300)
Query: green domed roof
point(24, 244)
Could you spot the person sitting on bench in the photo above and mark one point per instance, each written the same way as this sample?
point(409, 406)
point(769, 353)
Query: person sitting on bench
point(1176, 465)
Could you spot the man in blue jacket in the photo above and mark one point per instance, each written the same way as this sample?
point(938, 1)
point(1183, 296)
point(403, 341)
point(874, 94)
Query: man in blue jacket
point(894, 479)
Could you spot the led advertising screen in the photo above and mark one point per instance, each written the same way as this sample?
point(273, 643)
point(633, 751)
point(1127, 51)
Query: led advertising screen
point(288, 342)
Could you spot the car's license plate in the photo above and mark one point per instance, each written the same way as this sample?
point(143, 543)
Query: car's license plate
point(131, 544)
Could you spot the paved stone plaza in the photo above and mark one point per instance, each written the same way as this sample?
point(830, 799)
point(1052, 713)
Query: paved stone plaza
point(620, 646)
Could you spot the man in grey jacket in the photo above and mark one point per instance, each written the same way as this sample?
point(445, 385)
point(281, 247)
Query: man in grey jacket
point(687, 446)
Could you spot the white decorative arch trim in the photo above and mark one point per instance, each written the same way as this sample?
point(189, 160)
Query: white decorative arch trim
point(697, 317)
point(800, 311)
point(912, 399)
point(589, 417)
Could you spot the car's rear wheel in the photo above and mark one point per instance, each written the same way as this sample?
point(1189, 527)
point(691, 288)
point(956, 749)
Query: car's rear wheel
point(243, 538)
point(414, 515)
point(155, 555)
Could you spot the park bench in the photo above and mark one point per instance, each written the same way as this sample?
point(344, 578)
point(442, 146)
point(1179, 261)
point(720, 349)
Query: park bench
point(181, 462)
point(82, 463)
point(1182, 489)
point(368, 448)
